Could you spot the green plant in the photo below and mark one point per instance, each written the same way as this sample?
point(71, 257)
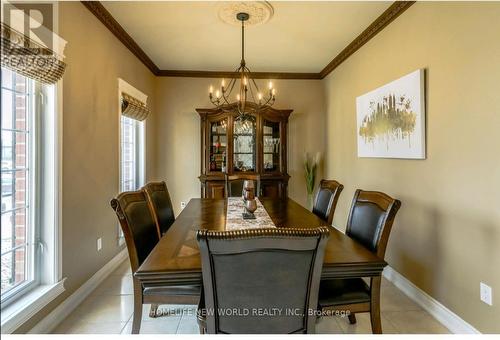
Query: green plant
point(310, 166)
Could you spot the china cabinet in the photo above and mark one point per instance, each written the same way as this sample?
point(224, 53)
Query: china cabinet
point(232, 145)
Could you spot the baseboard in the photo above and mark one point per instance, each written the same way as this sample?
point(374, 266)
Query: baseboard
point(54, 318)
point(450, 320)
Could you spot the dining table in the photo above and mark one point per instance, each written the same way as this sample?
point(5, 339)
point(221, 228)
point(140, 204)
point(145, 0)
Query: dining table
point(175, 260)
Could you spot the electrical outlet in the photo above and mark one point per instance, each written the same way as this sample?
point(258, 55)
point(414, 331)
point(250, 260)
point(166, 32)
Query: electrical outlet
point(183, 205)
point(486, 293)
point(99, 244)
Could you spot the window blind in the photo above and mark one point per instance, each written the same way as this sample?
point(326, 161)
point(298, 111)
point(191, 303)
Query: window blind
point(30, 58)
point(134, 108)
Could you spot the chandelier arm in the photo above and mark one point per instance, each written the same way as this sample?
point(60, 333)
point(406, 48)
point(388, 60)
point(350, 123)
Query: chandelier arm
point(251, 92)
point(215, 102)
point(229, 88)
point(243, 93)
point(266, 102)
point(225, 93)
point(250, 81)
point(231, 84)
point(270, 100)
point(256, 86)
point(225, 99)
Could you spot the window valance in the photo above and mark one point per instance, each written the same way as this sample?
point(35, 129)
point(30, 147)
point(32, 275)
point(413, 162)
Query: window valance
point(134, 108)
point(30, 58)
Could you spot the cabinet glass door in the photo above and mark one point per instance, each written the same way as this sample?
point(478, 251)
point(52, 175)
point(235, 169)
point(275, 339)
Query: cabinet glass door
point(218, 146)
point(244, 144)
point(272, 146)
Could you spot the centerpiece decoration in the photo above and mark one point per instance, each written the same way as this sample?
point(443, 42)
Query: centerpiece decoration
point(249, 200)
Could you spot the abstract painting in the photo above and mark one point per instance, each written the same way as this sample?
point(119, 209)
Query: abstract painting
point(391, 119)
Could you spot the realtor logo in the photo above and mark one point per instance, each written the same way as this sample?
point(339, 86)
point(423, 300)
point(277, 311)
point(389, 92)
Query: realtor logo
point(29, 45)
point(34, 21)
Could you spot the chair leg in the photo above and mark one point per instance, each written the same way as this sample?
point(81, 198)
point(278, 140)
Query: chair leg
point(352, 318)
point(153, 310)
point(375, 305)
point(136, 321)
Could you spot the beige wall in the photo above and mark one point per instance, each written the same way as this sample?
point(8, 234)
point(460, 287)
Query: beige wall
point(447, 234)
point(95, 60)
point(178, 131)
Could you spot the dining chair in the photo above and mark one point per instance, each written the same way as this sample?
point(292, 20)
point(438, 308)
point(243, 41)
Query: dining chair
point(161, 205)
point(326, 199)
point(370, 221)
point(250, 270)
point(141, 236)
point(234, 184)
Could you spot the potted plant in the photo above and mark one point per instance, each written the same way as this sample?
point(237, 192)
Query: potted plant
point(310, 167)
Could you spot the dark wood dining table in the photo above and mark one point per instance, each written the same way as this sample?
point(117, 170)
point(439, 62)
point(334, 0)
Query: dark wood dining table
point(176, 260)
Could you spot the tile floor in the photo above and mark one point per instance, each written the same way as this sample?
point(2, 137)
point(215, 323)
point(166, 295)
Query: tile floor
point(109, 310)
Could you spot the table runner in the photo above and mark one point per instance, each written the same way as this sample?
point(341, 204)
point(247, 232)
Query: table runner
point(234, 217)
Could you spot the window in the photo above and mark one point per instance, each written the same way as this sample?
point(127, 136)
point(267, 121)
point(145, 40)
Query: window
point(19, 131)
point(131, 167)
point(31, 137)
point(30, 211)
point(132, 147)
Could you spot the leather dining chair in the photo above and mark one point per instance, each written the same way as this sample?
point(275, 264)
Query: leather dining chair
point(249, 270)
point(161, 205)
point(141, 237)
point(326, 199)
point(370, 221)
point(234, 184)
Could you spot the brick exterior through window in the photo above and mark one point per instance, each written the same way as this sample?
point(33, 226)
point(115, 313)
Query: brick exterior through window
point(16, 167)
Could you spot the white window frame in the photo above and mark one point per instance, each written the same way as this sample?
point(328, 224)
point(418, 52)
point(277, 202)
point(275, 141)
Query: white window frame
point(124, 87)
point(48, 283)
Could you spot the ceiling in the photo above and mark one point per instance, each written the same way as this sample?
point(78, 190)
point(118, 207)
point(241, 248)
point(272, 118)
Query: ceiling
point(300, 37)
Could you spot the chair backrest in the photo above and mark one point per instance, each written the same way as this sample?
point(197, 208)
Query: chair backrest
point(370, 219)
point(138, 225)
point(267, 270)
point(234, 184)
point(326, 199)
point(161, 205)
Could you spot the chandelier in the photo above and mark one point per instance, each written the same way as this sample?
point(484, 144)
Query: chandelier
point(249, 99)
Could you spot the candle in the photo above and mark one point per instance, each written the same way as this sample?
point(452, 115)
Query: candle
point(217, 94)
point(259, 95)
point(223, 82)
point(270, 85)
point(211, 89)
point(238, 97)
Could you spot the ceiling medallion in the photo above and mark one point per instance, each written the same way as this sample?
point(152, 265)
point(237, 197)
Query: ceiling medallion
point(249, 98)
point(259, 12)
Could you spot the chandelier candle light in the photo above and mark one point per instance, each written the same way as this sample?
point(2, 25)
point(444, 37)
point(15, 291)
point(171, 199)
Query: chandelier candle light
point(248, 92)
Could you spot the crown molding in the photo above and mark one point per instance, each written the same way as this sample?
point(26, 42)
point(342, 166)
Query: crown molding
point(223, 74)
point(396, 9)
point(107, 19)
